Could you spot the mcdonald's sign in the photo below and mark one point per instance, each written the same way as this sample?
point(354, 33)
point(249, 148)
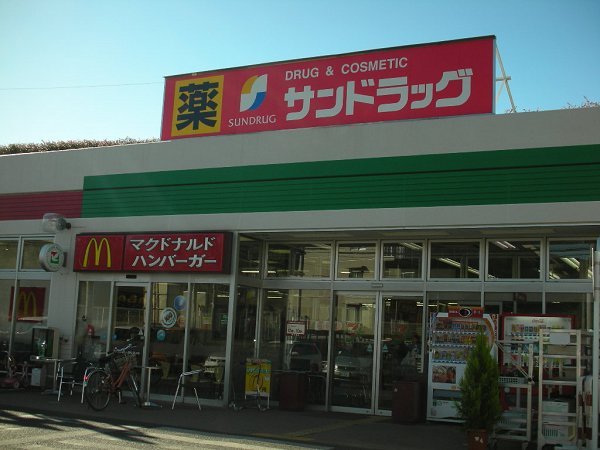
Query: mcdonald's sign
point(30, 304)
point(99, 252)
point(197, 252)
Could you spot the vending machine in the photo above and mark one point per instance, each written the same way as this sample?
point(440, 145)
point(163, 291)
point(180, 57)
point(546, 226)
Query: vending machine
point(451, 337)
point(44, 343)
point(517, 330)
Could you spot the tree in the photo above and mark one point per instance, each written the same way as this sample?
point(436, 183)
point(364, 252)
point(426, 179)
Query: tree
point(479, 405)
point(587, 103)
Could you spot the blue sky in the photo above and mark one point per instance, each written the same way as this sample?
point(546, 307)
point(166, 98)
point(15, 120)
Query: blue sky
point(83, 69)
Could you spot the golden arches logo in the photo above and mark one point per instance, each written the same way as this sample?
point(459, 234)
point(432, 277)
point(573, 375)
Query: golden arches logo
point(97, 252)
point(28, 303)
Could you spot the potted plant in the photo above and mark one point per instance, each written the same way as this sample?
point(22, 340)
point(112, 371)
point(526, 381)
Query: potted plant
point(479, 405)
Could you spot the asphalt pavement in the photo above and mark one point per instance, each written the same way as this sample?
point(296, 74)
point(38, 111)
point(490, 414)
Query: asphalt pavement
point(310, 428)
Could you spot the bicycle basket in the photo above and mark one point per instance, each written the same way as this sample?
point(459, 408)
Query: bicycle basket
point(120, 359)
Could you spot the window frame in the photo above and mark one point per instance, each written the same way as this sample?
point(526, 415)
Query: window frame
point(423, 261)
point(376, 257)
point(491, 241)
point(481, 259)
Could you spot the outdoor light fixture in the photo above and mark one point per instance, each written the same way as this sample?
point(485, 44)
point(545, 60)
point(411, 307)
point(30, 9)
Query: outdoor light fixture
point(52, 222)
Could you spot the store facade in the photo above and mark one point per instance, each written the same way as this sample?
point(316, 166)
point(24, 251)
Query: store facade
point(309, 214)
point(340, 243)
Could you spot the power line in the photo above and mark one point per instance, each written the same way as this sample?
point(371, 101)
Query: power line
point(85, 86)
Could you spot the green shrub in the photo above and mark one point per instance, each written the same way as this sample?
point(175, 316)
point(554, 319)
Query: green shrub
point(479, 405)
point(49, 146)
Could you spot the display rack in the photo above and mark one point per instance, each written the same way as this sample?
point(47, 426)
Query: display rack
point(516, 390)
point(451, 337)
point(564, 361)
point(519, 351)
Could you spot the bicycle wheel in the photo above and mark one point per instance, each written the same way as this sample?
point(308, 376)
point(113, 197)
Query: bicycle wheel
point(97, 391)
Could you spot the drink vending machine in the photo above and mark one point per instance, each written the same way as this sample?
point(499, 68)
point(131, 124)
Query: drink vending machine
point(451, 337)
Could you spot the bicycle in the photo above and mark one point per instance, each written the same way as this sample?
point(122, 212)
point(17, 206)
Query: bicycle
point(12, 376)
point(102, 384)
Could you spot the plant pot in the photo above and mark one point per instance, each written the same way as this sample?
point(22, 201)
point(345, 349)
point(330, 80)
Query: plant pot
point(477, 439)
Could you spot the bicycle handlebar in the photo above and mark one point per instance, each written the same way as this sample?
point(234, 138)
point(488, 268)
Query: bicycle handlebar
point(122, 349)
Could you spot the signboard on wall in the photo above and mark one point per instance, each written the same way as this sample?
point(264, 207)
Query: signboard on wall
point(465, 311)
point(430, 80)
point(30, 304)
point(295, 328)
point(157, 252)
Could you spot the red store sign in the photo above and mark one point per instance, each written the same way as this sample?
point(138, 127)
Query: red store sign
point(431, 80)
point(159, 252)
point(465, 311)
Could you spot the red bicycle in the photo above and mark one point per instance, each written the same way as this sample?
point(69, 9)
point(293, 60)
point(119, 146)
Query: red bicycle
point(102, 384)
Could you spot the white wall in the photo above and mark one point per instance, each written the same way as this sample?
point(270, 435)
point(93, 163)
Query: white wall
point(64, 170)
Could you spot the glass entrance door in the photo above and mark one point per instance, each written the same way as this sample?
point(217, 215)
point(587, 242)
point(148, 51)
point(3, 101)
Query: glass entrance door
point(399, 345)
point(353, 350)
point(129, 320)
point(377, 343)
point(129, 315)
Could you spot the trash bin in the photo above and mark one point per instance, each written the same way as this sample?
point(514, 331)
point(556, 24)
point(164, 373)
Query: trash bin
point(292, 391)
point(407, 402)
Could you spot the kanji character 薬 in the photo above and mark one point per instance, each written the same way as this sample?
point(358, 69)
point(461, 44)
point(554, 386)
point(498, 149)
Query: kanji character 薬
point(198, 105)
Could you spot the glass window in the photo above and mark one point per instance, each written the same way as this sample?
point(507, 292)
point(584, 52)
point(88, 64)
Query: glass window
point(402, 260)
point(356, 260)
point(401, 347)
point(8, 254)
point(129, 318)
point(31, 254)
point(353, 350)
point(294, 335)
point(513, 302)
point(570, 260)
point(528, 302)
point(208, 337)
point(250, 257)
point(439, 301)
point(499, 302)
point(169, 302)
point(93, 311)
point(295, 316)
point(572, 304)
point(244, 334)
point(299, 260)
point(513, 259)
point(454, 260)
point(7, 289)
point(32, 311)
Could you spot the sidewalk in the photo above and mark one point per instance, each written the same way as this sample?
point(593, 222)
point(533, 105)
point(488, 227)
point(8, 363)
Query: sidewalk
point(338, 430)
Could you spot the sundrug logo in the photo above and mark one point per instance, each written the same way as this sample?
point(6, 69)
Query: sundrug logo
point(97, 252)
point(254, 92)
